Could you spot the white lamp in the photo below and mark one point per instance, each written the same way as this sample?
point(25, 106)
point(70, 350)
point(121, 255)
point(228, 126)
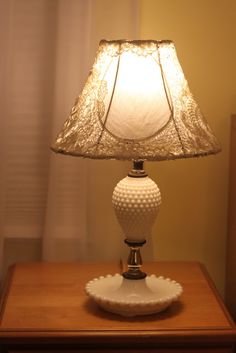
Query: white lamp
point(136, 105)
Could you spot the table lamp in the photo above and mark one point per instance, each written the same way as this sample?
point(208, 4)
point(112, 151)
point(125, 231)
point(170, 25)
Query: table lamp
point(136, 105)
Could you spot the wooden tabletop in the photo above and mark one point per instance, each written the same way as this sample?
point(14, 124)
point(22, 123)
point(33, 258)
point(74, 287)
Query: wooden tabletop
point(48, 300)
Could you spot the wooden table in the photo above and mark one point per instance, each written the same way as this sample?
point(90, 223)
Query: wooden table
point(45, 309)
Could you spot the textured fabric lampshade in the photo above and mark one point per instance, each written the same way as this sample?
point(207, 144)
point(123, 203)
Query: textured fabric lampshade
point(136, 104)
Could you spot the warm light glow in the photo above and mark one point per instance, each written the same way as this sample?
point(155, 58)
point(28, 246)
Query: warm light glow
point(138, 94)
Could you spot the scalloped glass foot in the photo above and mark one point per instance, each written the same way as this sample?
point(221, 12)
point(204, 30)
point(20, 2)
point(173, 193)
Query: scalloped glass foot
point(133, 297)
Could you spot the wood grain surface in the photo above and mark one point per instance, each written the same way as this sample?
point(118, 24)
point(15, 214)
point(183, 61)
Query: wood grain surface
point(48, 301)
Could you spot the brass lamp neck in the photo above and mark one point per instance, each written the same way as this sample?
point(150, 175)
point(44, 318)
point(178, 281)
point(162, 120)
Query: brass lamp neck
point(137, 171)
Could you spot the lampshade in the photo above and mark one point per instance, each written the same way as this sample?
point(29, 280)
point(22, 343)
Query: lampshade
point(136, 105)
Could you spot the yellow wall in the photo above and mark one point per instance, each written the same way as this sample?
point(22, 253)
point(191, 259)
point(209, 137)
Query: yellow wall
point(192, 223)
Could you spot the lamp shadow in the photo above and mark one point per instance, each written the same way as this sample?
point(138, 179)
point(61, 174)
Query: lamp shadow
point(173, 310)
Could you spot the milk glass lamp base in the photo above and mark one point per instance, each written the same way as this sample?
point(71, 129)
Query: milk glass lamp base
point(133, 297)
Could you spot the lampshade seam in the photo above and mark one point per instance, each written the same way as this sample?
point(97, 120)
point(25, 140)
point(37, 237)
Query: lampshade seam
point(175, 124)
point(110, 103)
